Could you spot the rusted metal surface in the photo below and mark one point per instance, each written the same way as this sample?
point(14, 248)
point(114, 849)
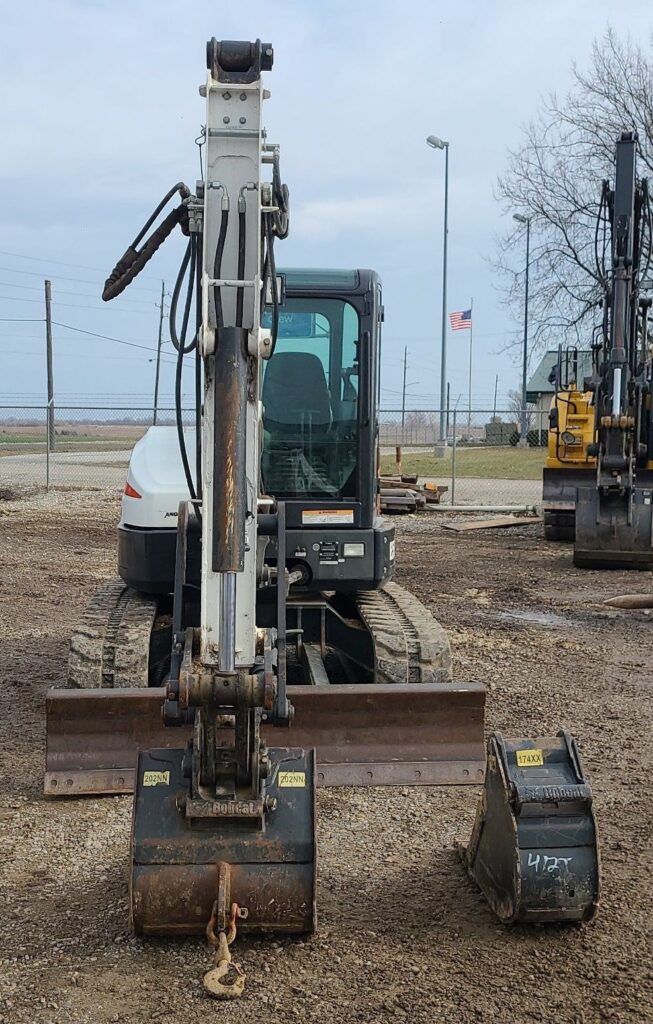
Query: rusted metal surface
point(534, 851)
point(392, 734)
point(365, 734)
point(214, 983)
point(229, 423)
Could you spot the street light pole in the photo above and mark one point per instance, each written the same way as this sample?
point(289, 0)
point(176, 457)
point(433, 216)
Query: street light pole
point(523, 440)
point(435, 143)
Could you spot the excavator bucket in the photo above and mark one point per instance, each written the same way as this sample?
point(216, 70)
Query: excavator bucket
point(184, 865)
point(533, 851)
point(614, 532)
point(364, 734)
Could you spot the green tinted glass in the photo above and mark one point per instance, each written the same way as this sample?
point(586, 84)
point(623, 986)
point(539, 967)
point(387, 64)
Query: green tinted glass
point(310, 401)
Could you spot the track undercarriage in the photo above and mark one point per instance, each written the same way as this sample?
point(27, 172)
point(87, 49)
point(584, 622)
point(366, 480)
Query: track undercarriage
point(369, 677)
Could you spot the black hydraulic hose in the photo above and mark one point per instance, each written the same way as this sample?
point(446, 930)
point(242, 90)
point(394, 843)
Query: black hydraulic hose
point(281, 198)
point(198, 369)
point(600, 264)
point(182, 349)
point(272, 271)
point(183, 191)
point(242, 236)
point(647, 221)
point(133, 259)
point(217, 267)
point(189, 256)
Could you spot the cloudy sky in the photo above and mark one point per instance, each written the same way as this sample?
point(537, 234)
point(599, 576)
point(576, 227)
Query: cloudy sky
point(99, 115)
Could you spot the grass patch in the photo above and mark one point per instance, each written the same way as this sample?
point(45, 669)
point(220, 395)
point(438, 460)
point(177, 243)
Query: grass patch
point(482, 463)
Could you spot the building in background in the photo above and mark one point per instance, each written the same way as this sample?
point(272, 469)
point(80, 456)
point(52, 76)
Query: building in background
point(541, 386)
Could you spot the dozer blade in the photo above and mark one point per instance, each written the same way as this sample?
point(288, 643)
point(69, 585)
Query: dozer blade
point(614, 532)
point(365, 735)
point(533, 851)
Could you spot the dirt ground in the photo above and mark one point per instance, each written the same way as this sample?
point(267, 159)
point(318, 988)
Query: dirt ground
point(402, 936)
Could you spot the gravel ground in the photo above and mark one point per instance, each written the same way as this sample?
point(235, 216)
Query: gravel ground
point(403, 936)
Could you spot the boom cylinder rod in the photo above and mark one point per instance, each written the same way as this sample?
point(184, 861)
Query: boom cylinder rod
point(227, 636)
point(229, 451)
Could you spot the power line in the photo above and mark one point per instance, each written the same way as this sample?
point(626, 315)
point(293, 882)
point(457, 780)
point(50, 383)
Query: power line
point(77, 280)
point(106, 337)
point(75, 355)
point(76, 305)
point(57, 263)
point(32, 288)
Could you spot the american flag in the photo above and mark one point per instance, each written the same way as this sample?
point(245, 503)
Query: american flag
point(461, 321)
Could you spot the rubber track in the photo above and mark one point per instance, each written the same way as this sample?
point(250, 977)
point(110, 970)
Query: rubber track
point(110, 646)
point(559, 526)
point(410, 646)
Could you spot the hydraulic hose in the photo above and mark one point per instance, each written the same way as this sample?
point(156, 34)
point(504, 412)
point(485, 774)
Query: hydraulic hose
point(272, 276)
point(133, 259)
point(242, 235)
point(217, 266)
point(198, 370)
point(190, 256)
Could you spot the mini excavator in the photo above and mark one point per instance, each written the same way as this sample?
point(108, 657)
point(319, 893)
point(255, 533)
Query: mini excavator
point(598, 482)
point(267, 611)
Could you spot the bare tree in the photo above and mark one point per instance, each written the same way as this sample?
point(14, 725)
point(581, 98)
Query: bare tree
point(515, 407)
point(555, 177)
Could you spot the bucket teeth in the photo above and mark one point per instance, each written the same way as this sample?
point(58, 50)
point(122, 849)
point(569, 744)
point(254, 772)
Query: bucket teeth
point(533, 851)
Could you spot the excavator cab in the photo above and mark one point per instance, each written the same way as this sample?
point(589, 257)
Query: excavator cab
point(319, 397)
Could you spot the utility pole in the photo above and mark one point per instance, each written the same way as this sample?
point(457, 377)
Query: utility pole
point(496, 385)
point(158, 355)
point(448, 398)
point(523, 440)
point(48, 339)
point(435, 143)
point(469, 392)
point(403, 395)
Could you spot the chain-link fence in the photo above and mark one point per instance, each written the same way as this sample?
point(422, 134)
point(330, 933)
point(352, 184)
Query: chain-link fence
point(489, 458)
point(479, 456)
point(78, 447)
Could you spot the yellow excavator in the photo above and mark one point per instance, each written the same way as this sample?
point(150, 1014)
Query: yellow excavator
point(293, 661)
point(598, 478)
point(568, 463)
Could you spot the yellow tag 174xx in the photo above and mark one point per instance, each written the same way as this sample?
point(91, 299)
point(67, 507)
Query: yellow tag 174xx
point(530, 758)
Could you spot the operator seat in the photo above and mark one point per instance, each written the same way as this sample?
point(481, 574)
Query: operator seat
point(297, 447)
point(295, 396)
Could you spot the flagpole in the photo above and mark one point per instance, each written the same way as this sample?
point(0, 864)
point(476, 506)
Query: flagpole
point(469, 397)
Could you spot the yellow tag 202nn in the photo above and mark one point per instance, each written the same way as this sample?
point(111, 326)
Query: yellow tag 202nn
point(156, 778)
point(292, 780)
point(530, 758)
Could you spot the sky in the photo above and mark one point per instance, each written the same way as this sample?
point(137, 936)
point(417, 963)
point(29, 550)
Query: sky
point(101, 110)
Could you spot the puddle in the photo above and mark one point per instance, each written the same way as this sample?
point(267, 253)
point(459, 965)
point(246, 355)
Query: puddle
point(547, 619)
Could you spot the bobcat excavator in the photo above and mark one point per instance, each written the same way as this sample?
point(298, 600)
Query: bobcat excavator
point(258, 648)
point(598, 480)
